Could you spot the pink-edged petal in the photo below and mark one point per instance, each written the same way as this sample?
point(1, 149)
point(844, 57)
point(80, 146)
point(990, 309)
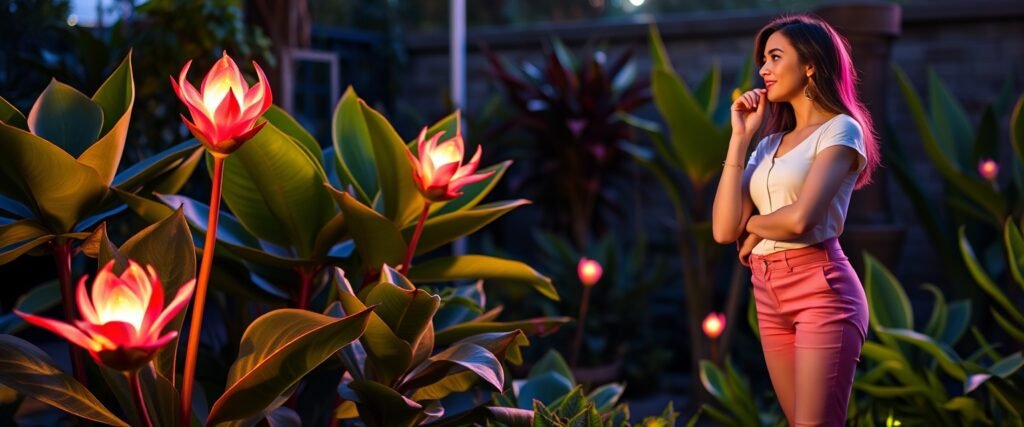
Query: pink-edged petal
point(85, 306)
point(155, 344)
point(64, 330)
point(180, 301)
point(426, 159)
point(118, 332)
point(226, 115)
point(457, 184)
point(102, 288)
point(268, 95)
point(156, 301)
point(96, 334)
point(247, 135)
point(223, 79)
point(203, 138)
point(468, 168)
point(443, 175)
point(137, 280)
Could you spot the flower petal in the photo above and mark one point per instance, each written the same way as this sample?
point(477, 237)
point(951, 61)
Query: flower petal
point(223, 78)
point(85, 307)
point(62, 329)
point(180, 301)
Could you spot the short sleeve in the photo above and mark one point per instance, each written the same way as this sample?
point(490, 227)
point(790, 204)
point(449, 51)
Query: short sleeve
point(845, 131)
point(758, 153)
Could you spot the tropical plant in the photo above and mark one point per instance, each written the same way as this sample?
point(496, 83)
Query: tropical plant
point(1006, 312)
point(572, 110)
point(686, 161)
point(615, 333)
point(904, 363)
point(963, 155)
point(550, 396)
point(911, 375)
point(60, 173)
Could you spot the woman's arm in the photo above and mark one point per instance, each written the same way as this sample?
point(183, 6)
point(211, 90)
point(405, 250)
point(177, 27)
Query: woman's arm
point(732, 206)
point(827, 172)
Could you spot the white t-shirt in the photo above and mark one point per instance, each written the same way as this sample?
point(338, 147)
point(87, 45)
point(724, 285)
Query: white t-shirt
point(776, 182)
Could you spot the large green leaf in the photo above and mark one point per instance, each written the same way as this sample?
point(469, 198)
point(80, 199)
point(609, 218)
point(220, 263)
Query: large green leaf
point(388, 357)
point(66, 118)
point(354, 147)
point(1017, 128)
point(231, 234)
point(481, 267)
point(1014, 242)
point(167, 246)
point(41, 175)
point(117, 97)
point(275, 190)
point(380, 405)
point(545, 388)
point(276, 351)
point(946, 357)
point(979, 191)
point(695, 139)
point(163, 162)
point(407, 312)
point(541, 326)
point(952, 127)
point(28, 370)
point(10, 115)
point(377, 239)
point(402, 201)
point(289, 126)
point(443, 229)
point(20, 231)
point(553, 362)
point(890, 307)
point(453, 360)
point(984, 281)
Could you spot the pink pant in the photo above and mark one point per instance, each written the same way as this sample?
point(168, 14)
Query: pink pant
point(813, 319)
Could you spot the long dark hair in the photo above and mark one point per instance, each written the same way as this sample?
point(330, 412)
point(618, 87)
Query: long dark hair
point(833, 84)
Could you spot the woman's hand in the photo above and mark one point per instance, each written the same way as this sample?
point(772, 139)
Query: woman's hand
point(746, 244)
point(748, 111)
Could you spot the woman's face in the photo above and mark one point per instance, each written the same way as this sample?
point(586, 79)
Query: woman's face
point(784, 76)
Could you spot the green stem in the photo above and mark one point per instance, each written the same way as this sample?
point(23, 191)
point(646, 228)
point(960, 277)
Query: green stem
point(62, 255)
point(200, 295)
point(577, 341)
point(140, 400)
point(411, 250)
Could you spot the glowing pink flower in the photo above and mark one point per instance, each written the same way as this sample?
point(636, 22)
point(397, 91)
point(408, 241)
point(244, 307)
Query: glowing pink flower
point(590, 271)
point(988, 169)
point(714, 324)
point(225, 109)
point(439, 172)
point(124, 319)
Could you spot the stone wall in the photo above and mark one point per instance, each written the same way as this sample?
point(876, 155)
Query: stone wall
point(972, 46)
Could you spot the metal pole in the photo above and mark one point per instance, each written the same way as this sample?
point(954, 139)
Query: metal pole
point(458, 76)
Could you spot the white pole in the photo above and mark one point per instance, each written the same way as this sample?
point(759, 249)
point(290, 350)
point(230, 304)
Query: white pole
point(458, 52)
point(458, 76)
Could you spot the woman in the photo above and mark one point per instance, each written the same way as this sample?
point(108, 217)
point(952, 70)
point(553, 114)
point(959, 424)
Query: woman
point(820, 146)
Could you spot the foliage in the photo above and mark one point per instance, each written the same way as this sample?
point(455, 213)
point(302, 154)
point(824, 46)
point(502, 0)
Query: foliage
point(572, 109)
point(550, 396)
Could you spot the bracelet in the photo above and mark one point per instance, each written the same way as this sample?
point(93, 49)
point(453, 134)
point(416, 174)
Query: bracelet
point(732, 165)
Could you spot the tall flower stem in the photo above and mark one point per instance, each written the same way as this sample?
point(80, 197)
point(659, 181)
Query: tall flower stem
point(200, 301)
point(411, 250)
point(580, 326)
point(62, 255)
point(140, 400)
